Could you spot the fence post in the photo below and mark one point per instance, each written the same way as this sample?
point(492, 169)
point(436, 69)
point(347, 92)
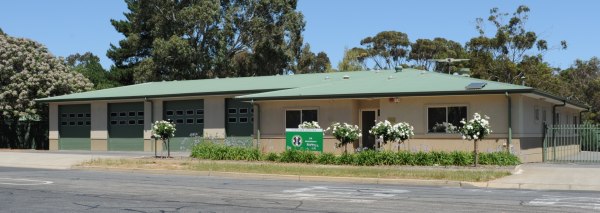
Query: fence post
point(544, 141)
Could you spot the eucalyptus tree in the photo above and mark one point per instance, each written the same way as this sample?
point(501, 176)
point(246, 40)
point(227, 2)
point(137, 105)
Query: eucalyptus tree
point(387, 49)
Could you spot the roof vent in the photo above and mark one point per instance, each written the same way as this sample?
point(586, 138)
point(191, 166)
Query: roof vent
point(391, 77)
point(346, 77)
point(327, 78)
point(476, 85)
point(398, 69)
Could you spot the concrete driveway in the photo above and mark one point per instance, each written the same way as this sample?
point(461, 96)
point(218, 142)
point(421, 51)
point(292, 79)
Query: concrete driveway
point(552, 177)
point(62, 159)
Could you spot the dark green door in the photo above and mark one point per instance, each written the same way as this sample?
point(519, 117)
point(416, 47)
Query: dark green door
point(126, 126)
point(74, 127)
point(239, 118)
point(188, 117)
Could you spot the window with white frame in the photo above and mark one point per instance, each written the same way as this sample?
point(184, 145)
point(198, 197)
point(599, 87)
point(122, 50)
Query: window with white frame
point(441, 119)
point(294, 117)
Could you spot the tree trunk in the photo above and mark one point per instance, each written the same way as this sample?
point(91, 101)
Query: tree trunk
point(345, 148)
point(476, 155)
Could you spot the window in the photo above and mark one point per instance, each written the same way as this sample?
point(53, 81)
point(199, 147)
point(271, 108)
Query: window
point(179, 112)
point(536, 114)
point(199, 120)
point(80, 115)
point(295, 117)
point(199, 112)
point(140, 122)
point(544, 115)
point(189, 112)
point(131, 114)
point(113, 122)
point(122, 114)
point(243, 120)
point(79, 123)
point(131, 122)
point(87, 115)
point(87, 123)
point(113, 114)
point(189, 121)
point(122, 122)
point(179, 121)
point(243, 110)
point(232, 111)
point(232, 120)
point(64, 115)
point(169, 112)
point(140, 113)
point(439, 118)
point(71, 115)
point(72, 123)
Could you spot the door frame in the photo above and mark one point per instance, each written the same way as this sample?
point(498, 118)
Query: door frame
point(360, 123)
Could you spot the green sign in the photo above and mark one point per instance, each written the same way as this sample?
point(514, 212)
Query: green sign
point(304, 139)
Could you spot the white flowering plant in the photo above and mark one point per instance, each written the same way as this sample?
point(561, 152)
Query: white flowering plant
point(163, 130)
point(309, 125)
point(344, 133)
point(397, 132)
point(476, 128)
point(445, 127)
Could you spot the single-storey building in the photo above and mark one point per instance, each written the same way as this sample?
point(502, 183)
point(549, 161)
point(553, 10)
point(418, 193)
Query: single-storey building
point(263, 107)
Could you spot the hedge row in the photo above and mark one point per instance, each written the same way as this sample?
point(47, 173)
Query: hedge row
point(366, 158)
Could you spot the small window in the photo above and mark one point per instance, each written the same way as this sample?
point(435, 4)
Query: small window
point(199, 120)
point(179, 112)
point(113, 114)
point(131, 114)
point(87, 115)
point(72, 123)
point(544, 115)
point(80, 115)
point(251, 110)
point(189, 112)
point(122, 114)
point(536, 114)
point(169, 112)
point(243, 110)
point(140, 113)
point(243, 120)
point(79, 123)
point(232, 120)
point(64, 115)
point(179, 121)
point(199, 112)
point(140, 122)
point(189, 121)
point(131, 122)
point(113, 122)
point(123, 122)
point(232, 111)
point(64, 123)
point(71, 115)
point(87, 123)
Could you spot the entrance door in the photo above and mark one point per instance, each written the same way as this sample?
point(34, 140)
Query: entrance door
point(368, 121)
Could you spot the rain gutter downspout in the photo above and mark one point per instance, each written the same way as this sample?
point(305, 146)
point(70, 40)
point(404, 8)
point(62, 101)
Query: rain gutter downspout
point(554, 118)
point(256, 115)
point(509, 141)
point(581, 114)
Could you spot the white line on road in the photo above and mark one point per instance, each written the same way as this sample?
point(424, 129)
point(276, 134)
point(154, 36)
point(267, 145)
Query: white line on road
point(340, 194)
point(564, 201)
point(23, 182)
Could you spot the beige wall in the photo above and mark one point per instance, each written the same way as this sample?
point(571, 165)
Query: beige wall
point(99, 121)
point(99, 145)
point(53, 144)
point(272, 113)
point(53, 123)
point(214, 116)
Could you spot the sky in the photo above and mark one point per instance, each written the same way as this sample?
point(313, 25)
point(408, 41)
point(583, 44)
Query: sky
point(76, 26)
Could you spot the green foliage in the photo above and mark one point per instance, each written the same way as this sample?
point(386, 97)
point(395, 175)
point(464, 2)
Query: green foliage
point(354, 60)
point(365, 158)
point(388, 49)
point(176, 40)
point(311, 63)
point(89, 66)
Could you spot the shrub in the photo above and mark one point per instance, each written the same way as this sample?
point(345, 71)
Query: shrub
point(272, 157)
point(213, 151)
point(345, 159)
point(295, 156)
point(462, 158)
point(326, 158)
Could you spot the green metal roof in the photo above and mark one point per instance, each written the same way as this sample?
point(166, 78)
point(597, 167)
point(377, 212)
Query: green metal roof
point(241, 85)
point(409, 82)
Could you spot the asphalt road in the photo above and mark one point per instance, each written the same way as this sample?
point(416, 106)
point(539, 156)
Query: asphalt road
point(35, 190)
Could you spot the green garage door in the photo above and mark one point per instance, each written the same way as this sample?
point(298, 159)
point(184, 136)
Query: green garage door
point(188, 117)
point(74, 127)
point(239, 119)
point(126, 126)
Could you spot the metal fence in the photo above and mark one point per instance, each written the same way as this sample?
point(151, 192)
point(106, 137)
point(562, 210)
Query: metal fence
point(572, 143)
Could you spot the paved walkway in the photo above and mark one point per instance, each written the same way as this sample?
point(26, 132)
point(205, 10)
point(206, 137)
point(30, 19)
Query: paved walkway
point(551, 177)
point(62, 159)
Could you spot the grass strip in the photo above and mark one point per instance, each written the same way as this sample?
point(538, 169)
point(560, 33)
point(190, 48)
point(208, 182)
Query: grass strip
point(434, 173)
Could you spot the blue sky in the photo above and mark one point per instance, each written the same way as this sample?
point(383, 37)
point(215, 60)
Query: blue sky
point(72, 26)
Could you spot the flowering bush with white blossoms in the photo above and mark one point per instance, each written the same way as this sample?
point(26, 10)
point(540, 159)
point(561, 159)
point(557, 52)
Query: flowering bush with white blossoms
point(163, 130)
point(476, 128)
point(309, 125)
point(396, 132)
point(345, 133)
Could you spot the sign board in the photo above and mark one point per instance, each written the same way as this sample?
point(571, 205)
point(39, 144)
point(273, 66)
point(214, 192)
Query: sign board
point(304, 139)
